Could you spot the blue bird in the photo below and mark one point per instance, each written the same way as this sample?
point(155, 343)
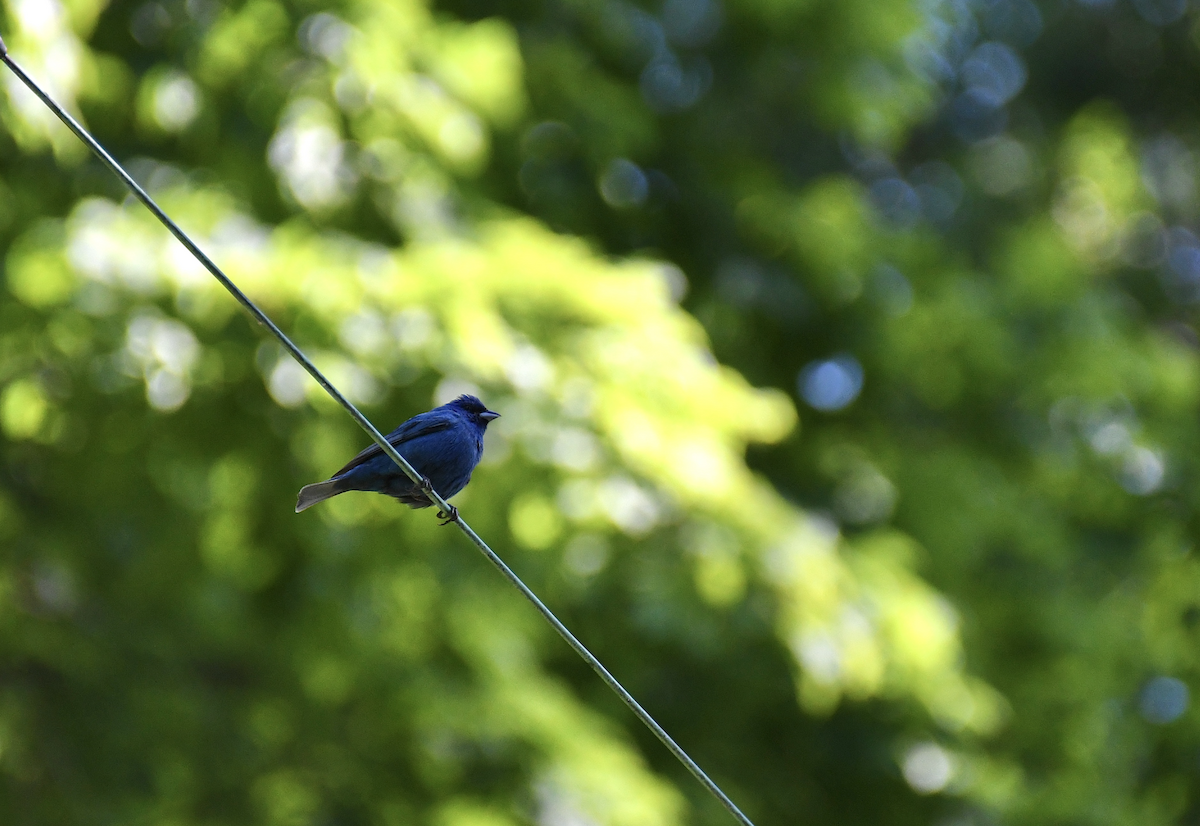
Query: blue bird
point(444, 445)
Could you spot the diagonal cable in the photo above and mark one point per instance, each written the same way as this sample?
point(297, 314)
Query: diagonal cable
point(378, 438)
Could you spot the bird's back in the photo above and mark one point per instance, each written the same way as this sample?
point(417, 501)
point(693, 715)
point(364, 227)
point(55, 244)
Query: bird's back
point(446, 455)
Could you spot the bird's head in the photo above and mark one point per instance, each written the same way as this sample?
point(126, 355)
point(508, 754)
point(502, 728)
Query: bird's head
point(474, 408)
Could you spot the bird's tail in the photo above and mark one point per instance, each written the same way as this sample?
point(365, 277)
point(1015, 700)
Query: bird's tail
point(318, 492)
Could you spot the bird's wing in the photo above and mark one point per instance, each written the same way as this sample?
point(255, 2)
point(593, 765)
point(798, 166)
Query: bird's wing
point(414, 428)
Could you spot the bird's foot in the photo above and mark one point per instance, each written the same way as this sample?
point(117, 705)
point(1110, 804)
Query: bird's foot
point(448, 516)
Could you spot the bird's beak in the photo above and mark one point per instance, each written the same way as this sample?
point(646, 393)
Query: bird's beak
point(488, 415)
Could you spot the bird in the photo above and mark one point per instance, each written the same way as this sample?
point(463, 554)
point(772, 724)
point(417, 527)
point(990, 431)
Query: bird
point(444, 445)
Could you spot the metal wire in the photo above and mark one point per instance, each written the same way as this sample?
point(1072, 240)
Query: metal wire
point(379, 439)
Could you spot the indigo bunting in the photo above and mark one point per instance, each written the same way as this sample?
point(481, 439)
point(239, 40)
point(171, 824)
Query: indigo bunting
point(443, 445)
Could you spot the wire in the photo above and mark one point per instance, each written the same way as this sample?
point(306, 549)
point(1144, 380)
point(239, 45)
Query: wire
point(378, 438)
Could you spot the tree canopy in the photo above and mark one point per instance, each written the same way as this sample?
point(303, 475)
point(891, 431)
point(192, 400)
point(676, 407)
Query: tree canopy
point(848, 363)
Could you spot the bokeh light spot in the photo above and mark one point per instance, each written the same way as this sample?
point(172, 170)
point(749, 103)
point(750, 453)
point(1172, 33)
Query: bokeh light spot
point(832, 384)
point(1002, 165)
point(1143, 471)
point(896, 201)
point(176, 102)
point(669, 86)
point(586, 555)
point(23, 408)
point(1164, 700)
point(928, 768)
point(994, 72)
point(287, 383)
point(623, 184)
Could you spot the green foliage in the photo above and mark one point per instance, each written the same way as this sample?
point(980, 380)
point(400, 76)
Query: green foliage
point(963, 591)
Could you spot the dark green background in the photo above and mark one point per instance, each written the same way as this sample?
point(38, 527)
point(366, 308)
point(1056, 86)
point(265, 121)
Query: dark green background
point(961, 591)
